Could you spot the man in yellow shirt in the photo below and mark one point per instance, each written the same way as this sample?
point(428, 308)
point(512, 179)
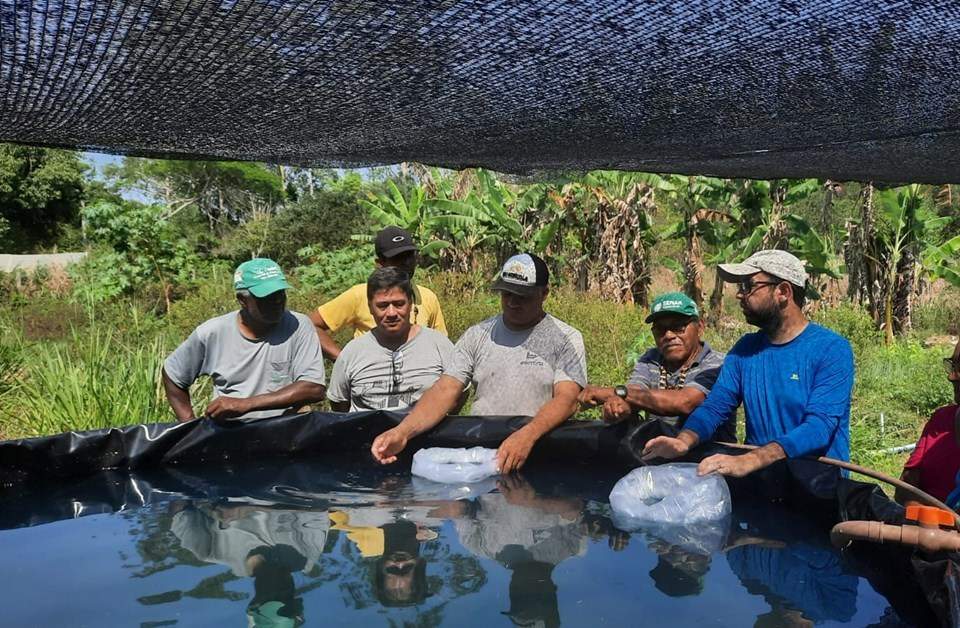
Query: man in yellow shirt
point(394, 247)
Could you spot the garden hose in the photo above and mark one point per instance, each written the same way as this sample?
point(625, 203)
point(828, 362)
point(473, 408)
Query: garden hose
point(921, 496)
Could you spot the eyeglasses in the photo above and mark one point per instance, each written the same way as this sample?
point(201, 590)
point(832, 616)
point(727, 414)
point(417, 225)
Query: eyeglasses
point(660, 328)
point(747, 286)
point(951, 366)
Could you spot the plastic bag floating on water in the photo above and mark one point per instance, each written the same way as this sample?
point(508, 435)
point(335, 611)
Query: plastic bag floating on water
point(453, 466)
point(669, 494)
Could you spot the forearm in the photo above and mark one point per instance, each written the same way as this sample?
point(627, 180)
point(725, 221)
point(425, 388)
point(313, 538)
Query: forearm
point(765, 456)
point(294, 395)
point(550, 415)
point(432, 407)
point(179, 399)
point(328, 345)
point(679, 402)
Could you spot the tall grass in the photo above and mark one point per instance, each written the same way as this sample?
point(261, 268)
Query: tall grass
point(96, 381)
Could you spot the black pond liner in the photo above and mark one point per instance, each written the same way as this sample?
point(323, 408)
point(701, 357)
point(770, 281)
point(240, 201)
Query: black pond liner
point(102, 471)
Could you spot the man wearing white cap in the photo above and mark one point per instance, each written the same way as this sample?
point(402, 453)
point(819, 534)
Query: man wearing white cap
point(793, 377)
point(522, 362)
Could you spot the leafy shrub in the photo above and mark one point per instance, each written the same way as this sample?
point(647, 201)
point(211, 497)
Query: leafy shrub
point(331, 272)
point(139, 246)
point(851, 322)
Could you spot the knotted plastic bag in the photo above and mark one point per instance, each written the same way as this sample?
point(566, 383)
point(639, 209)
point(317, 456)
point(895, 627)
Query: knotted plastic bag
point(671, 494)
point(454, 466)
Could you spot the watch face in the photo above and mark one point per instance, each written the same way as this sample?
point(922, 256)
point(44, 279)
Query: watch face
point(621, 391)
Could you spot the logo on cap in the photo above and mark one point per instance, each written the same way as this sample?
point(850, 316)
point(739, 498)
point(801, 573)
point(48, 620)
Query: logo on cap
point(398, 239)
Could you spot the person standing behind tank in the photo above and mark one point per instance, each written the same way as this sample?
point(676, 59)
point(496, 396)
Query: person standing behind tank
point(395, 248)
point(390, 366)
point(793, 377)
point(522, 362)
point(263, 359)
point(671, 379)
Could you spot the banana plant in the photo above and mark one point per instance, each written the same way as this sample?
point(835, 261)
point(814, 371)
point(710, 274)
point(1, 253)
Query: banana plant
point(410, 212)
point(903, 230)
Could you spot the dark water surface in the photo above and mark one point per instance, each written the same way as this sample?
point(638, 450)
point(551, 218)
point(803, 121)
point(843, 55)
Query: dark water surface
point(292, 544)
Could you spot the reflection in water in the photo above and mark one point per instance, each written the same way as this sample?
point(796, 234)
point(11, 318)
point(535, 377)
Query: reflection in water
point(794, 569)
point(298, 547)
point(265, 542)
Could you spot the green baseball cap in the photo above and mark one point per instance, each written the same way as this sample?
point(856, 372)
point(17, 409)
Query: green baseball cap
point(672, 303)
point(261, 276)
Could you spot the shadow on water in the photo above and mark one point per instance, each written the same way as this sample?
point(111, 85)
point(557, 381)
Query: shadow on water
point(293, 544)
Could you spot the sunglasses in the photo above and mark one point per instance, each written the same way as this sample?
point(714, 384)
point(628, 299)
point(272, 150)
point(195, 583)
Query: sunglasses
point(747, 286)
point(660, 328)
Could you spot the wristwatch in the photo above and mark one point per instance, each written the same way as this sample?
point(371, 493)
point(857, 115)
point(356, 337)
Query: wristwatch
point(620, 391)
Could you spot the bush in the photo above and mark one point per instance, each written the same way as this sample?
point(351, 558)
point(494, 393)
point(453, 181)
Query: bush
point(331, 272)
point(851, 322)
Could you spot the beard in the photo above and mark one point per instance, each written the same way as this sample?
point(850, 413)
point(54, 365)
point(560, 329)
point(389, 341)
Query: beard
point(768, 318)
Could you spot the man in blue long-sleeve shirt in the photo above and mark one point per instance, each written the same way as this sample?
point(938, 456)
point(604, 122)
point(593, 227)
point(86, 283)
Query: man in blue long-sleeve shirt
point(793, 377)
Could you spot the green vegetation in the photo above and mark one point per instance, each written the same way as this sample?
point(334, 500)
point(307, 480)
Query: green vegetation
point(82, 349)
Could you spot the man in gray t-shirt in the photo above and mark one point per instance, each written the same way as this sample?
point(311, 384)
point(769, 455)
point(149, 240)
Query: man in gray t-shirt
point(672, 378)
point(522, 362)
point(390, 366)
point(263, 359)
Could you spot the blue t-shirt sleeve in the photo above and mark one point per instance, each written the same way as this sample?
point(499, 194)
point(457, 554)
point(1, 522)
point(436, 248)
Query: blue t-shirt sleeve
point(722, 401)
point(829, 401)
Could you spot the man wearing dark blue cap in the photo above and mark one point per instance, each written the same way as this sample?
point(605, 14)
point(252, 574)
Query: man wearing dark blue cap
point(264, 360)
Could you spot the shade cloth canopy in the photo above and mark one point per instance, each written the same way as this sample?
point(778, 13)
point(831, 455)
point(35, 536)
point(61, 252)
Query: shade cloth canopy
point(832, 88)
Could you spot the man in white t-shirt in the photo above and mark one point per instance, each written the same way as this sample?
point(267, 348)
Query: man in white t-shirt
point(521, 362)
point(390, 366)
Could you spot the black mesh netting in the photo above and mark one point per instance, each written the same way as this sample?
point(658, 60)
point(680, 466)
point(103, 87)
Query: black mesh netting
point(840, 88)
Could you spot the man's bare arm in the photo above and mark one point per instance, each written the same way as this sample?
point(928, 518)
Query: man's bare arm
point(678, 402)
point(739, 466)
point(513, 452)
point(179, 399)
point(329, 346)
point(295, 395)
point(432, 407)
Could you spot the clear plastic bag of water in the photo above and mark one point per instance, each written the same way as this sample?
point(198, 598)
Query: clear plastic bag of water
point(455, 466)
point(669, 494)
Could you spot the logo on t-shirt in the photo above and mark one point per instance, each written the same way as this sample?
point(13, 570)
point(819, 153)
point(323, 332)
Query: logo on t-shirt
point(532, 359)
point(795, 378)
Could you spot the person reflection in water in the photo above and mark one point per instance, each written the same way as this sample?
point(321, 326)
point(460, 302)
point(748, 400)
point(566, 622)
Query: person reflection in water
point(265, 542)
point(801, 578)
point(530, 535)
point(399, 571)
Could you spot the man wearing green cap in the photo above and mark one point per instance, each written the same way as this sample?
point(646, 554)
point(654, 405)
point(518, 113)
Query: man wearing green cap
point(670, 380)
point(264, 360)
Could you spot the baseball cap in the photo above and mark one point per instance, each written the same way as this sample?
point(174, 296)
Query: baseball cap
point(261, 276)
point(524, 274)
point(672, 303)
point(392, 241)
point(772, 261)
